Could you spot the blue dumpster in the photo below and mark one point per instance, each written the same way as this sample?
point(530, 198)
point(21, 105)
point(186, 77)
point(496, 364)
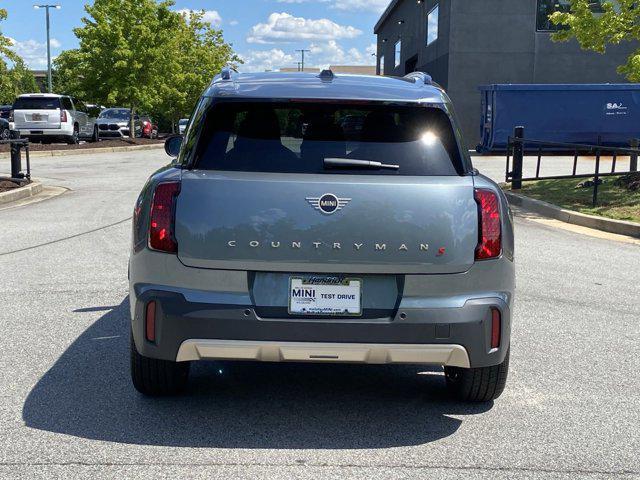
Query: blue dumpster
point(563, 113)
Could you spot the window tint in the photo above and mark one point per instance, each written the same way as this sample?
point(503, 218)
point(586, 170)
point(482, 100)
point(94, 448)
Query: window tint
point(37, 103)
point(66, 103)
point(297, 137)
point(432, 25)
point(397, 53)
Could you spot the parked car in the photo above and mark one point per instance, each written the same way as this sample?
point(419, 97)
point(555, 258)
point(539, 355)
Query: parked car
point(148, 128)
point(4, 129)
point(391, 249)
point(49, 117)
point(5, 111)
point(182, 125)
point(114, 123)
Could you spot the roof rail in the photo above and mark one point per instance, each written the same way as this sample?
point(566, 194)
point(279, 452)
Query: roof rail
point(419, 77)
point(227, 71)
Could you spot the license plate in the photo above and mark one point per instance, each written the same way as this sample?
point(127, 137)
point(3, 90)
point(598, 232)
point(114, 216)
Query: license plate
point(325, 296)
point(36, 117)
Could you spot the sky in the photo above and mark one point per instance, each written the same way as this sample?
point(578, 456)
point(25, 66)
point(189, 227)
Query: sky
point(265, 33)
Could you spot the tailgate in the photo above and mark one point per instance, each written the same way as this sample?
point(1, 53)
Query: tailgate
point(272, 222)
point(36, 119)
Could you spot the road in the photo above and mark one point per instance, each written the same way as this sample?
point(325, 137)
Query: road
point(67, 409)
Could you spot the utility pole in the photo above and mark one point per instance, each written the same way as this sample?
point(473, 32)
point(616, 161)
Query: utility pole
point(47, 7)
point(302, 62)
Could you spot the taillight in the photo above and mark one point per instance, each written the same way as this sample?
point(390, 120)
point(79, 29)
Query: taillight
point(495, 328)
point(63, 116)
point(11, 115)
point(161, 234)
point(489, 229)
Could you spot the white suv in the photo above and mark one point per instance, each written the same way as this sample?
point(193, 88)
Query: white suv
point(49, 117)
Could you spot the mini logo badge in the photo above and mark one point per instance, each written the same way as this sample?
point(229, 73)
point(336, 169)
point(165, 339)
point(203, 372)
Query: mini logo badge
point(328, 203)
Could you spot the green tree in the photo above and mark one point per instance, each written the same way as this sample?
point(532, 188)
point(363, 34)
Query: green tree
point(142, 55)
point(612, 23)
point(23, 78)
point(122, 52)
point(17, 79)
point(199, 52)
point(6, 82)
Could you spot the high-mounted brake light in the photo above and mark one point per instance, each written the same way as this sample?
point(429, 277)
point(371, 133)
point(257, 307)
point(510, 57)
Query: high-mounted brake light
point(161, 223)
point(489, 229)
point(63, 116)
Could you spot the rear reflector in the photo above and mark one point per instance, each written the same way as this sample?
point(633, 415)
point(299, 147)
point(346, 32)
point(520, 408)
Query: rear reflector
point(489, 229)
point(161, 235)
point(495, 328)
point(150, 321)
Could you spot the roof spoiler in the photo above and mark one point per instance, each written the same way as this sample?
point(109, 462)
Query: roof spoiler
point(419, 77)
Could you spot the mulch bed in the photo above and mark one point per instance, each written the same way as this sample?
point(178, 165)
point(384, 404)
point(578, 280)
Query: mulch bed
point(6, 185)
point(118, 142)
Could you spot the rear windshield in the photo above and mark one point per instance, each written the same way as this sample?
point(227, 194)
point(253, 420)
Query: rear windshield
point(299, 137)
point(184, 121)
point(37, 103)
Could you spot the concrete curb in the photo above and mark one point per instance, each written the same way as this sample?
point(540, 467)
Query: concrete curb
point(87, 151)
point(20, 193)
point(620, 227)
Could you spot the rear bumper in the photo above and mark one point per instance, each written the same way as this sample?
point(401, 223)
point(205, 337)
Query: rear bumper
point(64, 130)
point(188, 328)
point(450, 355)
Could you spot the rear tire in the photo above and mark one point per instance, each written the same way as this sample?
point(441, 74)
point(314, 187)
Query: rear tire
point(73, 139)
point(156, 377)
point(482, 384)
point(5, 134)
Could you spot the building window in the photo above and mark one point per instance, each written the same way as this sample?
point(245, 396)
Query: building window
point(381, 65)
point(397, 52)
point(432, 25)
point(547, 7)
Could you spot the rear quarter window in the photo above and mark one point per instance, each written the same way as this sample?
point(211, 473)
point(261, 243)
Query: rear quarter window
point(297, 137)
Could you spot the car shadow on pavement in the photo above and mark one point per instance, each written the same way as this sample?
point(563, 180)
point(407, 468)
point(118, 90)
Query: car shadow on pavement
point(88, 393)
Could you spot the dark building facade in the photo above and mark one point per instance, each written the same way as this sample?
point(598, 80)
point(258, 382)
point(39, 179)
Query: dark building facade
point(466, 43)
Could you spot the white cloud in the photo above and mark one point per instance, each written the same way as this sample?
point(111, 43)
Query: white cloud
point(321, 55)
point(331, 53)
point(283, 28)
point(233, 23)
point(376, 6)
point(261, 60)
point(34, 53)
point(211, 16)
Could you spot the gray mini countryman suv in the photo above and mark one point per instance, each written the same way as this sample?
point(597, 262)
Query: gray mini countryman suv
point(280, 233)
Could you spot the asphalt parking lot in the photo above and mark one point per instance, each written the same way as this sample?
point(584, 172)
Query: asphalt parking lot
point(67, 409)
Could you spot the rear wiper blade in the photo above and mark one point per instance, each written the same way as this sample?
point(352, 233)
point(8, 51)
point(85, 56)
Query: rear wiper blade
point(363, 164)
